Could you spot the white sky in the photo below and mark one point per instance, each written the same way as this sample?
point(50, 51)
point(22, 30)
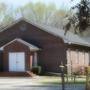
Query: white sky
point(59, 3)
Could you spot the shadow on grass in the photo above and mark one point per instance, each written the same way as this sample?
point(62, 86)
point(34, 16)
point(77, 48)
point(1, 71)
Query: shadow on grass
point(58, 83)
point(37, 86)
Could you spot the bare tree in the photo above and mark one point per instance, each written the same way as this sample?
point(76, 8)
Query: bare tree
point(42, 13)
point(6, 14)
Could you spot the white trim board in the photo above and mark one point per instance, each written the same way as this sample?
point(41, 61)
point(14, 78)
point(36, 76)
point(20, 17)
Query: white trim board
point(31, 47)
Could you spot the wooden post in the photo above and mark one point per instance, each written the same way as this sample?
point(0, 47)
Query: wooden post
point(62, 76)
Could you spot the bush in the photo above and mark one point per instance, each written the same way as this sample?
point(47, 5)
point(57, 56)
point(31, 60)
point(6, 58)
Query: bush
point(80, 71)
point(88, 78)
point(88, 70)
point(36, 70)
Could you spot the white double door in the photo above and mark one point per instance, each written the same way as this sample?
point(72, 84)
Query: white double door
point(17, 61)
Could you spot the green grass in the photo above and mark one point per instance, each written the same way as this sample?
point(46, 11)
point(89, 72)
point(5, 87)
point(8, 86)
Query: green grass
point(57, 80)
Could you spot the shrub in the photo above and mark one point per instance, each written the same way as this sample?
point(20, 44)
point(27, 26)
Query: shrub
point(36, 70)
point(87, 70)
point(80, 71)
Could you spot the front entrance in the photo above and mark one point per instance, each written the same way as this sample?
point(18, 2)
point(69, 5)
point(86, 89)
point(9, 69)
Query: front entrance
point(17, 61)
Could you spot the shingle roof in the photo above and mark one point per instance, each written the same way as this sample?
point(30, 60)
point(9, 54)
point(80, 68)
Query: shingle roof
point(69, 38)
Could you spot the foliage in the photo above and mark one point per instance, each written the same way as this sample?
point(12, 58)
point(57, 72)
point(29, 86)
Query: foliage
point(6, 14)
point(80, 17)
point(36, 70)
point(81, 71)
point(42, 13)
point(88, 78)
point(38, 12)
point(88, 70)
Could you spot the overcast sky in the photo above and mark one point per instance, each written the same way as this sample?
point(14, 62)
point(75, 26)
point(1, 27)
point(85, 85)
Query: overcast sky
point(59, 3)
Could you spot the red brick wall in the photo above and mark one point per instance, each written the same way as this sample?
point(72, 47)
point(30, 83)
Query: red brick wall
point(53, 49)
point(15, 47)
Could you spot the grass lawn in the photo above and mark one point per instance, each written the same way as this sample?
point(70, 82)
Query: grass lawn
point(56, 80)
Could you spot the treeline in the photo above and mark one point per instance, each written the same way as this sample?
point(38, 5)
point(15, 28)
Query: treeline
point(36, 12)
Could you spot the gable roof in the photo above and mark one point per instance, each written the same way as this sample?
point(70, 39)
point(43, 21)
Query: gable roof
point(69, 38)
point(31, 47)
